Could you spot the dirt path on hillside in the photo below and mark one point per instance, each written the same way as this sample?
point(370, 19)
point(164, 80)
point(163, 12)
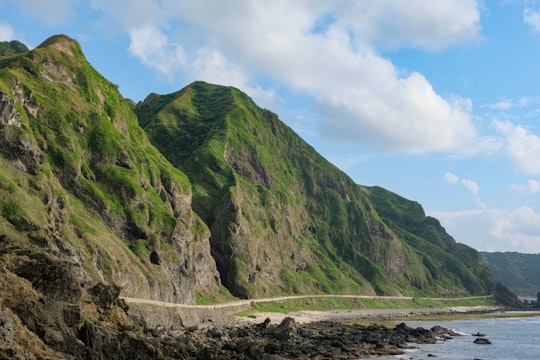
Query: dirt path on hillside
point(250, 301)
point(283, 298)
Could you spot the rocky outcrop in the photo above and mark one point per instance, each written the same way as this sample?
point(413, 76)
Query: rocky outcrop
point(8, 111)
point(91, 322)
point(504, 296)
point(482, 341)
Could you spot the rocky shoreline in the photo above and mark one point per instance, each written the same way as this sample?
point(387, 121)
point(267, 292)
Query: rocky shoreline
point(292, 340)
point(335, 334)
point(112, 334)
point(66, 321)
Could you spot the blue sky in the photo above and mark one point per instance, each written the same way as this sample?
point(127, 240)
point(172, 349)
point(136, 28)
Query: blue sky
point(438, 101)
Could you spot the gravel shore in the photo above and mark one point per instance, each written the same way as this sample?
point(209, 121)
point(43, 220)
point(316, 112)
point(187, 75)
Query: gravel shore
point(307, 316)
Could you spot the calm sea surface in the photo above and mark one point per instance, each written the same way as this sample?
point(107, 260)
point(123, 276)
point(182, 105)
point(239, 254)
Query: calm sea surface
point(511, 338)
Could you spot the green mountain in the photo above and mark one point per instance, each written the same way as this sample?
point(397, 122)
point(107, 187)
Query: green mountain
point(232, 202)
point(80, 182)
point(284, 220)
point(12, 48)
point(519, 272)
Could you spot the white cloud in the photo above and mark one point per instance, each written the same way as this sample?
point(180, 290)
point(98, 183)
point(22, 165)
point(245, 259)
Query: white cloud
point(531, 187)
point(522, 147)
point(504, 104)
point(468, 184)
point(327, 50)
point(415, 22)
point(6, 32)
point(451, 178)
point(494, 229)
point(155, 50)
point(531, 17)
point(509, 104)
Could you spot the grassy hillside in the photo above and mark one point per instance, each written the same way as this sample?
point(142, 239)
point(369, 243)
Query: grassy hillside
point(13, 47)
point(79, 180)
point(285, 220)
point(519, 272)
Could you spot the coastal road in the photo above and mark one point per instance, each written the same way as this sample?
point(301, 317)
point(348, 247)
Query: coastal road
point(282, 298)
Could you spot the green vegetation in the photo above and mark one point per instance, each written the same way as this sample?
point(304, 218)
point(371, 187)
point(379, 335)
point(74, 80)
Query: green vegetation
point(80, 174)
point(286, 221)
point(519, 272)
point(161, 194)
point(12, 48)
point(223, 296)
point(340, 303)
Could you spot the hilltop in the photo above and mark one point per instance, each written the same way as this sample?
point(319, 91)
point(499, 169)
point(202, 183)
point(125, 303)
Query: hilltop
point(12, 48)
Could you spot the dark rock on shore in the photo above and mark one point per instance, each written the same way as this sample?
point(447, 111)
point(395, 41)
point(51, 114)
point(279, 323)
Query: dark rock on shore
point(52, 308)
point(482, 341)
point(290, 340)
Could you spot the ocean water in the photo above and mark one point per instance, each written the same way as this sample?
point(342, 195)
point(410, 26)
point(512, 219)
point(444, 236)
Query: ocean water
point(511, 339)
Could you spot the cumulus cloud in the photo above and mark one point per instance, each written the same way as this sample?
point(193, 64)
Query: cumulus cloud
point(494, 229)
point(522, 147)
point(326, 50)
point(530, 187)
point(468, 184)
point(451, 178)
point(415, 22)
point(6, 32)
point(155, 50)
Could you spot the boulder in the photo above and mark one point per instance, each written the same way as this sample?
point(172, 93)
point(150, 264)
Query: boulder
point(482, 341)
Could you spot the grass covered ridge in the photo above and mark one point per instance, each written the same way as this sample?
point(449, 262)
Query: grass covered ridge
point(284, 220)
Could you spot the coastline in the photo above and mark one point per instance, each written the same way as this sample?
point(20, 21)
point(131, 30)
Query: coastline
point(397, 314)
point(331, 334)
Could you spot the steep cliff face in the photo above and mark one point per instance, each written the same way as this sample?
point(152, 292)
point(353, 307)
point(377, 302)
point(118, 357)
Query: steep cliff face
point(285, 220)
point(80, 183)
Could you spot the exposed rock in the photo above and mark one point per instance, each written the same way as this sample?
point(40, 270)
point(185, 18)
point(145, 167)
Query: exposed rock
point(504, 296)
point(16, 146)
point(482, 341)
point(285, 330)
point(8, 111)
